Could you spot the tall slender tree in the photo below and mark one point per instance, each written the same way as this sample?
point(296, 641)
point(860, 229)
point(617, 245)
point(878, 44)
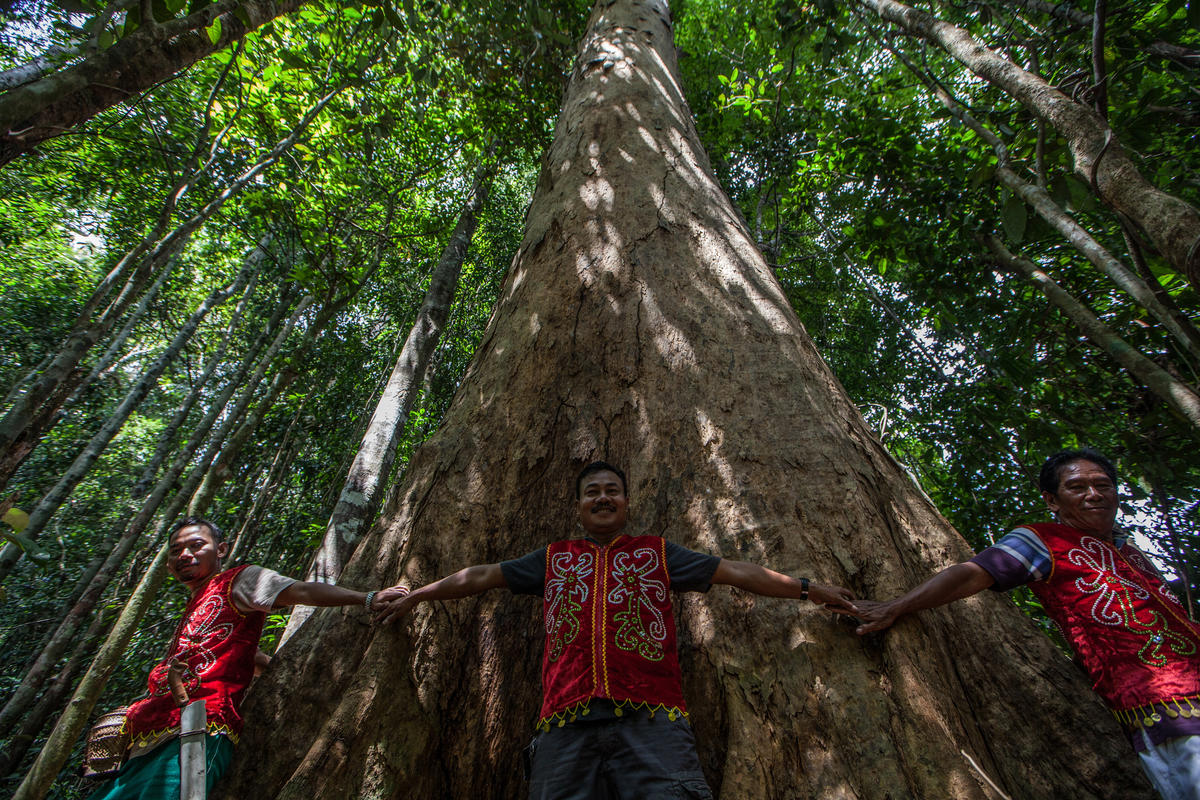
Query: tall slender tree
point(361, 495)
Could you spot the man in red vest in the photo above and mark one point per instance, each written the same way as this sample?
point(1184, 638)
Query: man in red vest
point(613, 722)
point(1126, 627)
point(214, 653)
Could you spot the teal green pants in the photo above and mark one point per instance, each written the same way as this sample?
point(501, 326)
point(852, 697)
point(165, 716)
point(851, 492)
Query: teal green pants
point(155, 776)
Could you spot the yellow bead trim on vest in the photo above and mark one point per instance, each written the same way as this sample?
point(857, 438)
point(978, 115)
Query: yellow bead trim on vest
point(581, 709)
point(1149, 715)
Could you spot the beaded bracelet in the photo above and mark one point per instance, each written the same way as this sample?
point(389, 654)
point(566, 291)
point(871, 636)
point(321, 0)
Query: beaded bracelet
point(371, 597)
point(804, 588)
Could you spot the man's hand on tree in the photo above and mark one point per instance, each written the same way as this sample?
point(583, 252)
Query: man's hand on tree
point(385, 596)
point(876, 615)
point(834, 598)
point(393, 610)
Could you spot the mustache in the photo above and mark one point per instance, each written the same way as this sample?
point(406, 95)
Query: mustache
point(604, 505)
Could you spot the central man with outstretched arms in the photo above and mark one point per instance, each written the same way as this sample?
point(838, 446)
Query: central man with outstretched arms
point(613, 723)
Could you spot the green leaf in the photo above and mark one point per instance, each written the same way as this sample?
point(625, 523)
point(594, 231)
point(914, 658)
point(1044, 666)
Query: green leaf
point(1014, 217)
point(292, 60)
point(242, 16)
point(16, 519)
point(214, 31)
point(393, 17)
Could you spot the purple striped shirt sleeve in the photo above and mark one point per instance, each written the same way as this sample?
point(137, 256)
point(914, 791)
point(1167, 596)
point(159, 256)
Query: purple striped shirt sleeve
point(1015, 560)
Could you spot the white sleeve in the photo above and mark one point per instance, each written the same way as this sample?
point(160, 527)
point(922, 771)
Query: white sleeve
point(255, 588)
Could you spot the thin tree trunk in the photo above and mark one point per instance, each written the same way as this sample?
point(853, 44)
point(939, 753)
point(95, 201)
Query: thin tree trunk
point(34, 674)
point(1180, 397)
point(58, 494)
point(118, 342)
point(58, 748)
point(167, 437)
point(361, 493)
point(20, 740)
point(638, 323)
point(284, 378)
point(1170, 223)
point(65, 364)
point(1037, 198)
point(285, 454)
point(18, 387)
point(58, 102)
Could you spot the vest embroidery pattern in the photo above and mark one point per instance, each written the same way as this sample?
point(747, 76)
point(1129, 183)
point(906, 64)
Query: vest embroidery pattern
point(199, 636)
point(216, 643)
point(610, 634)
point(642, 627)
point(1114, 603)
point(566, 592)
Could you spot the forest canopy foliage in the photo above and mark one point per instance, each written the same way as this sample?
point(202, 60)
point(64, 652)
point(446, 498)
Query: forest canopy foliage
point(302, 175)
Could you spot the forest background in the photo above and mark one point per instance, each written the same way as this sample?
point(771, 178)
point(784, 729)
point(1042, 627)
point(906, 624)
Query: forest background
point(219, 268)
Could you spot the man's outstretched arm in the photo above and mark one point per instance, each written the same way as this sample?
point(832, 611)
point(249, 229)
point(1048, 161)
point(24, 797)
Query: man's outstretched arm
point(768, 582)
point(312, 593)
point(464, 583)
point(952, 583)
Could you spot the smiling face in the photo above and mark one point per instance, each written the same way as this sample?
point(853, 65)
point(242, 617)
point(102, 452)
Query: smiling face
point(603, 506)
point(1086, 498)
point(194, 556)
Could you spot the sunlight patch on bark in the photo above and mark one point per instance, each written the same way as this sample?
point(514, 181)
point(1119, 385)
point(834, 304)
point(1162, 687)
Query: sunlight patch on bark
point(597, 194)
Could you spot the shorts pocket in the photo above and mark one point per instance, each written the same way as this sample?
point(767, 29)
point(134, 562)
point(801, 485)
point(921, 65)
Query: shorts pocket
point(691, 786)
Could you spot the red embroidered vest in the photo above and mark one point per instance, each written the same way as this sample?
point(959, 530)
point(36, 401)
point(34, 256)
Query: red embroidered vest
point(609, 628)
point(1133, 637)
point(217, 642)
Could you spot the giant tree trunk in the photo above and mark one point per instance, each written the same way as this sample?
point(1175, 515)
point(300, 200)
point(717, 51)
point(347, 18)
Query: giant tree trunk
point(639, 323)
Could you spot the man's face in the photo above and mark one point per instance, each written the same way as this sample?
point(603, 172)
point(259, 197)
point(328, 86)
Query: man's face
point(193, 557)
point(603, 506)
point(1086, 498)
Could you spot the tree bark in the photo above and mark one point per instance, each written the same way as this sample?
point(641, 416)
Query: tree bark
point(1180, 397)
point(638, 323)
point(154, 53)
point(360, 496)
point(1170, 223)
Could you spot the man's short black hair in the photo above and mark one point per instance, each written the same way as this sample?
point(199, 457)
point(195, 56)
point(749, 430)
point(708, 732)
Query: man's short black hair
point(600, 466)
point(217, 534)
point(1048, 478)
